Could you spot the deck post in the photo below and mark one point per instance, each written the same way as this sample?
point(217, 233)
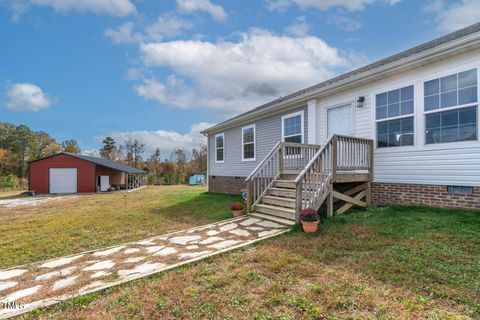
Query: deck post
point(330, 202)
point(298, 201)
point(334, 157)
point(280, 159)
point(249, 196)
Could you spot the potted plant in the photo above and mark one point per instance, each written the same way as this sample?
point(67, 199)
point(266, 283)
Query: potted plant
point(310, 220)
point(237, 209)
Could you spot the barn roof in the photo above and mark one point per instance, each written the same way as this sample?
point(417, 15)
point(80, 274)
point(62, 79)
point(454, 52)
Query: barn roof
point(99, 161)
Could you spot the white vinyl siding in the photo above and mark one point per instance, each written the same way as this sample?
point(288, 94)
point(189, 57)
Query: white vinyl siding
point(220, 148)
point(248, 143)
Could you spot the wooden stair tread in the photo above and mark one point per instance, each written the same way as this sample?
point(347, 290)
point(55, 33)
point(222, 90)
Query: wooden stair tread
point(279, 198)
point(272, 207)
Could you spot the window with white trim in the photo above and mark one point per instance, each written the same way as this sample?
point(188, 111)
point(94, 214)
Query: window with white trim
point(220, 148)
point(458, 94)
point(292, 127)
point(248, 143)
point(394, 116)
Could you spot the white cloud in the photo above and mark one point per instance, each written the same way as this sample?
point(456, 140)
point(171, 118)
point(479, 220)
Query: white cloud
point(167, 141)
point(122, 34)
point(455, 16)
point(214, 10)
point(352, 5)
point(117, 8)
point(236, 76)
point(166, 26)
point(299, 28)
point(343, 22)
point(26, 97)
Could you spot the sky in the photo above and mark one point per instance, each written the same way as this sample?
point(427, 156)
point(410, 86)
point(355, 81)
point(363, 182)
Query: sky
point(162, 71)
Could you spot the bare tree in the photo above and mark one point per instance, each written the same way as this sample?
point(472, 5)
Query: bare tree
point(134, 149)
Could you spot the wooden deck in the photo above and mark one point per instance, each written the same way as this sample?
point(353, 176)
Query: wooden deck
point(293, 177)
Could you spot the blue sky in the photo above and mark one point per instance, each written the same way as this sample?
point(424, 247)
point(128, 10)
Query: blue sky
point(162, 71)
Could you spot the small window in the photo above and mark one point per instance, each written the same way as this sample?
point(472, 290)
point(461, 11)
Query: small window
point(461, 190)
point(395, 110)
point(458, 93)
point(220, 148)
point(248, 143)
point(292, 127)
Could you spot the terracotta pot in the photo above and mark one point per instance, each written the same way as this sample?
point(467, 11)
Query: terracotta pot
point(237, 213)
point(310, 226)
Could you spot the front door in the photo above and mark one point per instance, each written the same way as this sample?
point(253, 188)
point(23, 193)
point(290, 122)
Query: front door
point(339, 120)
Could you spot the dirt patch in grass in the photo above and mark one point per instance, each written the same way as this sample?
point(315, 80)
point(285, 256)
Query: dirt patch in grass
point(384, 263)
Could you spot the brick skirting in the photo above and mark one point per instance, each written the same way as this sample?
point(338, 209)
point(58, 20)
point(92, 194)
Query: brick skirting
point(222, 184)
point(430, 195)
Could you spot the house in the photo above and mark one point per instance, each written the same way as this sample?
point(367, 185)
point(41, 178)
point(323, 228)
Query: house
point(402, 130)
point(74, 173)
point(197, 179)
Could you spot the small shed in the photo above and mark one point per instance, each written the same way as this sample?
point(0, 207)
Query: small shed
point(197, 179)
point(75, 173)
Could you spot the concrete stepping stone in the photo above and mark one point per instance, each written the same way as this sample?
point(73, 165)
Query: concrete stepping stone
point(255, 228)
point(134, 260)
point(166, 252)
point(146, 243)
point(60, 262)
point(107, 252)
point(184, 239)
point(141, 269)
point(212, 233)
point(223, 244)
point(102, 265)
point(228, 227)
point(211, 240)
point(22, 293)
point(192, 247)
point(131, 250)
point(5, 275)
point(59, 273)
point(267, 233)
point(240, 232)
point(7, 285)
point(154, 249)
point(249, 222)
point(190, 255)
point(64, 283)
point(100, 274)
point(269, 224)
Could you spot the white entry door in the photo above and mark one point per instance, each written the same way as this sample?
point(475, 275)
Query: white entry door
point(339, 120)
point(63, 180)
point(104, 183)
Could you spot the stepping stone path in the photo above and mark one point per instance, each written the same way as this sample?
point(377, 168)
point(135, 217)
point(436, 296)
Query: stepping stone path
point(47, 283)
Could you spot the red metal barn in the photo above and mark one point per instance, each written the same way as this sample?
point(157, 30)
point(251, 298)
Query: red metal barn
point(74, 173)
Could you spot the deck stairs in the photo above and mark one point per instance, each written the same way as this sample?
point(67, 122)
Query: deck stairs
point(294, 176)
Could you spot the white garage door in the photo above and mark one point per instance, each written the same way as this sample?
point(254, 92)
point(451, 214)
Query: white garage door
point(63, 180)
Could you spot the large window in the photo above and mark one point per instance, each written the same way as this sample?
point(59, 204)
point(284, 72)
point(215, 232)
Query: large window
point(395, 122)
point(458, 94)
point(248, 143)
point(220, 147)
point(292, 127)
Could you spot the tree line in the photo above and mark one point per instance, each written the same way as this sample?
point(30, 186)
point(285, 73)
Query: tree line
point(19, 145)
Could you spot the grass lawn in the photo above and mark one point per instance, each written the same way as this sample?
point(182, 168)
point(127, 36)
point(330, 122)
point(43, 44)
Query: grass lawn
point(85, 222)
point(382, 263)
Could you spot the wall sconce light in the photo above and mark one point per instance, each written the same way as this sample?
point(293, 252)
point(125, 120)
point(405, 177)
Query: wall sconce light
point(360, 101)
